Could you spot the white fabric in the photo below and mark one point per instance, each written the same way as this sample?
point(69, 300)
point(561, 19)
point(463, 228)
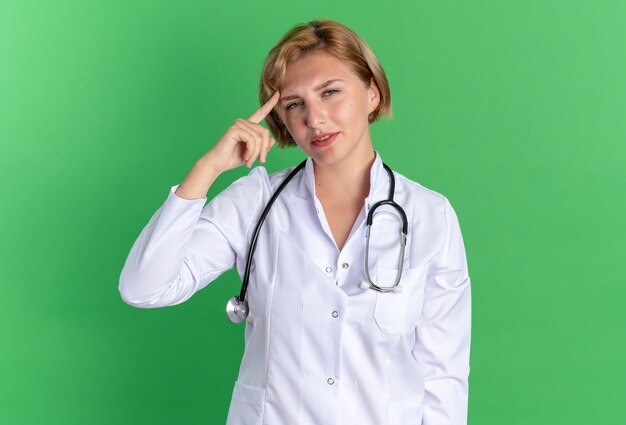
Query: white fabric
point(385, 359)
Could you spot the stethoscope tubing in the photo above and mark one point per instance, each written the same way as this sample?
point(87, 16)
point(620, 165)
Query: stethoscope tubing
point(237, 308)
point(405, 228)
point(257, 229)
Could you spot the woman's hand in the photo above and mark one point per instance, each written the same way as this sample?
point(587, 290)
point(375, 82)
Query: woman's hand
point(244, 141)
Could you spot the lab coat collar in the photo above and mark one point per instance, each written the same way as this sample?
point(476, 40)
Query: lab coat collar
point(377, 190)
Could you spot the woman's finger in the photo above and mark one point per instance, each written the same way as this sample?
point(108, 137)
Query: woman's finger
point(260, 114)
point(269, 147)
point(257, 149)
point(249, 137)
point(265, 147)
point(263, 136)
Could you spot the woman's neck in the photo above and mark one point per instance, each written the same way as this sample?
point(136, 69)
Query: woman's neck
point(349, 180)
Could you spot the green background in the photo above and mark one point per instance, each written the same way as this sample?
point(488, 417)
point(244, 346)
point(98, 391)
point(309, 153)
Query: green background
point(515, 110)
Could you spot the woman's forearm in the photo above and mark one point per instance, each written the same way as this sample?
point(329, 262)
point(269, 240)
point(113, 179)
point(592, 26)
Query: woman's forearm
point(199, 180)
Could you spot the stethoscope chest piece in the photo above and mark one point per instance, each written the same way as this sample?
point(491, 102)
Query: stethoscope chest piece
point(237, 311)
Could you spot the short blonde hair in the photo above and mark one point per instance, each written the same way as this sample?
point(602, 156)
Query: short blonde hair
point(326, 36)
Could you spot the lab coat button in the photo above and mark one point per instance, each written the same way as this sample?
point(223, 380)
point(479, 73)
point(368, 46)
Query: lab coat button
point(345, 265)
point(335, 314)
point(329, 269)
point(330, 381)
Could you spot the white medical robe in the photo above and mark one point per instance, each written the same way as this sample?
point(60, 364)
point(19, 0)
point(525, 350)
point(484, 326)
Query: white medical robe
point(320, 349)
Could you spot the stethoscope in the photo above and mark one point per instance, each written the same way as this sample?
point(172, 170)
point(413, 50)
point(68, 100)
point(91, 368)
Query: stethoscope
point(237, 307)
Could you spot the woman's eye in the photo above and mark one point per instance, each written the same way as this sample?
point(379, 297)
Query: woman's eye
point(298, 103)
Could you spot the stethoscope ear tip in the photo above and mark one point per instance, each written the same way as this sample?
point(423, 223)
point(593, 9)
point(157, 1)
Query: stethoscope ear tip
point(367, 285)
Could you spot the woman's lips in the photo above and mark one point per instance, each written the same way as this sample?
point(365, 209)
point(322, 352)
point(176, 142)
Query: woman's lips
point(326, 142)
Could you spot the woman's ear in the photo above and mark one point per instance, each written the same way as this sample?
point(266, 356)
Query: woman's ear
point(373, 94)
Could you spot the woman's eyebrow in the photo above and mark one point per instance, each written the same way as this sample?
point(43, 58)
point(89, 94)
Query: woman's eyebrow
point(319, 87)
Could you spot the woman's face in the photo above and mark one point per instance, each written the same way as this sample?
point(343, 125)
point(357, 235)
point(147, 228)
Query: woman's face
point(320, 97)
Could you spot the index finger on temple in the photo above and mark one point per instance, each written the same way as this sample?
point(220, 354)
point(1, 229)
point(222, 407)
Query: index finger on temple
point(260, 114)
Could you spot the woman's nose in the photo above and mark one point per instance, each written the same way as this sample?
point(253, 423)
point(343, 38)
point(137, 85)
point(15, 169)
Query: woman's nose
point(315, 115)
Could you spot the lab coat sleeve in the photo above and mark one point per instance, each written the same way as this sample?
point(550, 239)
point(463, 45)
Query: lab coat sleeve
point(187, 245)
point(442, 345)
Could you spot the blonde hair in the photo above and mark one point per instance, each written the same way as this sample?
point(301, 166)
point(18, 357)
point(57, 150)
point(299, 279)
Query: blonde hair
point(326, 36)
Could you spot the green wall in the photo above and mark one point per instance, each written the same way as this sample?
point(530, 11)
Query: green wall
point(515, 110)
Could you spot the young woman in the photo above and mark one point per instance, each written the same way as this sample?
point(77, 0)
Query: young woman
point(341, 329)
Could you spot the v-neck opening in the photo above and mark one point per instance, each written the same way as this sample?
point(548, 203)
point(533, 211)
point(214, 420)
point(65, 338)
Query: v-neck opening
point(358, 222)
point(309, 180)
